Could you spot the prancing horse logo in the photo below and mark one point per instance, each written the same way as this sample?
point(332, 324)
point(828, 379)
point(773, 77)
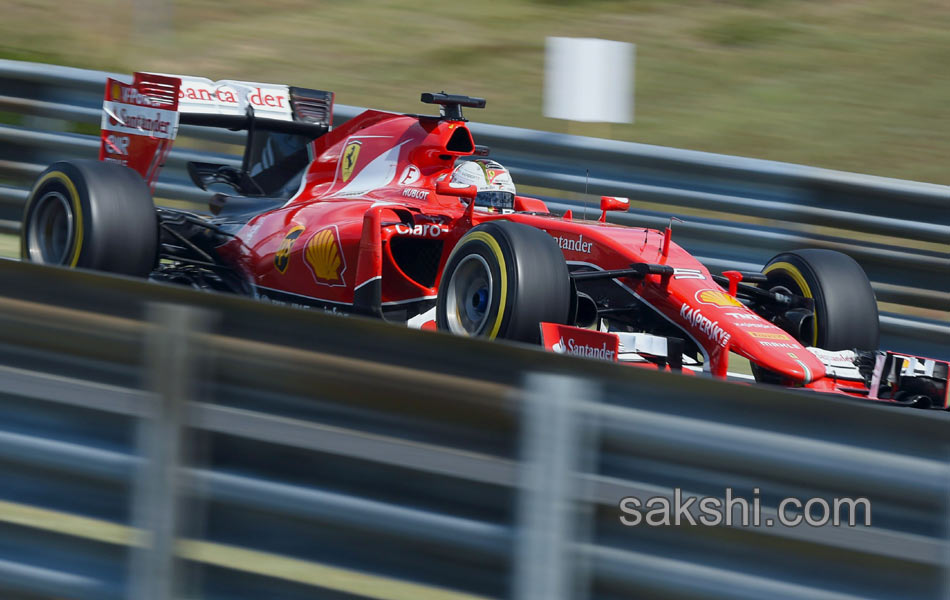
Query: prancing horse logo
point(350, 154)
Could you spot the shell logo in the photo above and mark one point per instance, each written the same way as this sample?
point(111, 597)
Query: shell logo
point(348, 159)
point(324, 256)
point(717, 298)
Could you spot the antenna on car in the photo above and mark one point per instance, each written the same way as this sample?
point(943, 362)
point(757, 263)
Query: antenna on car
point(668, 235)
point(586, 183)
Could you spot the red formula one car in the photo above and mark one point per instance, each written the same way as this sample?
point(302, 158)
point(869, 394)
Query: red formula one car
point(401, 217)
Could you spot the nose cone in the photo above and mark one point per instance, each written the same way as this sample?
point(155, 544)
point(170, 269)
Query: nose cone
point(771, 348)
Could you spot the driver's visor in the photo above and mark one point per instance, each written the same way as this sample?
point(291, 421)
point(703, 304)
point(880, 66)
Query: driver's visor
point(495, 199)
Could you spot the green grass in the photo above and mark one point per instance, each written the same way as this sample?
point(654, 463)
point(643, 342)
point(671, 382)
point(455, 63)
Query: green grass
point(858, 86)
point(9, 246)
point(9, 118)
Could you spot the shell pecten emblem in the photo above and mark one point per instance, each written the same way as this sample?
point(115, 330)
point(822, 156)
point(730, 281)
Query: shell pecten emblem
point(348, 159)
point(325, 257)
point(717, 298)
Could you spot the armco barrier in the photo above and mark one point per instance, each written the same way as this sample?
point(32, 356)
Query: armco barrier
point(272, 452)
point(899, 231)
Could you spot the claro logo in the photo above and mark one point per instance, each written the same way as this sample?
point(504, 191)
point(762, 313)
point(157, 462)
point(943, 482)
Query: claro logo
point(574, 348)
point(421, 230)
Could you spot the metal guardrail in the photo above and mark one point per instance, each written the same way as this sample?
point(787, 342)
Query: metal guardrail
point(293, 454)
point(899, 231)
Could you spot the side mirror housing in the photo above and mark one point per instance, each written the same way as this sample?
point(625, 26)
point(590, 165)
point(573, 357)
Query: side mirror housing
point(526, 204)
point(444, 188)
point(608, 203)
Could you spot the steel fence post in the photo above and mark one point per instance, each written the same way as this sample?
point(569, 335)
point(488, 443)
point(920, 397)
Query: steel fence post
point(548, 519)
point(170, 375)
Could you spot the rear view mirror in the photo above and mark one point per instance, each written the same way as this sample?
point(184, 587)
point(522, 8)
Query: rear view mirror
point(444, 188)
point(612, 203)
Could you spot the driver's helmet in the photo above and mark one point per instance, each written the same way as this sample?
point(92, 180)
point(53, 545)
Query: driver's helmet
point(495, 188)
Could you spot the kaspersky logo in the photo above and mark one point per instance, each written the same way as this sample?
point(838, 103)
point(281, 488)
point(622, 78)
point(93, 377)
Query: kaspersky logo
point(575, 349)
point(324, 256)
point(701, 322)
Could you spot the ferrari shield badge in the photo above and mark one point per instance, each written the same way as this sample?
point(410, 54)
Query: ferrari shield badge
point(282, 257)
point(348, 161)
point(325, 257)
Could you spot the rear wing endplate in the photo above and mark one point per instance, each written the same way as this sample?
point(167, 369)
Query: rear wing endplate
point(139, 123)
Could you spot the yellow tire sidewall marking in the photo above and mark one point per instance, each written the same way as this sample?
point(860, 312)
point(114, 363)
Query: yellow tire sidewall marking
point(77, 210)
point(799, 280)
point(492, 244)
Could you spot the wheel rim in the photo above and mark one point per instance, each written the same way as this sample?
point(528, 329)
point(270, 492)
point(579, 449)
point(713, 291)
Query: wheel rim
point(50, 233)
point(469, 301)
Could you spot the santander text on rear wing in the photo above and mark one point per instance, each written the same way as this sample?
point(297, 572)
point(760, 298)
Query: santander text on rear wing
point(238, 104)
point(140, 120)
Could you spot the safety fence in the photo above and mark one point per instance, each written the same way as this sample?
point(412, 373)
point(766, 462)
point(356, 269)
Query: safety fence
point(158, 442)
point(899, 231)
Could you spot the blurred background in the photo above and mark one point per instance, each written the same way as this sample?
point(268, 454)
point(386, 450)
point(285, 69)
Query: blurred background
point(856, 86)
point(232, 449)
point(851, 86)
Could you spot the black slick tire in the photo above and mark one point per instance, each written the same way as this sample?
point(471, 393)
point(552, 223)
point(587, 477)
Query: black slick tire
point(92, 215)
point(501, 280)
point(846, 314)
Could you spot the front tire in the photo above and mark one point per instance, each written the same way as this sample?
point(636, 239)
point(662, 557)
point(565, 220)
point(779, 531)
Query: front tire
point(92, 215)
point(845, 307)
point(501, 280)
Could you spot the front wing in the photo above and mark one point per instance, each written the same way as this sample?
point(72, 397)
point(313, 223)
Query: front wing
point(884, 376)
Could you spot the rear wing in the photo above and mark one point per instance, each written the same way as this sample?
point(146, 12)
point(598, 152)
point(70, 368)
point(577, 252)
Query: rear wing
point(243, 104)
point(140, 120)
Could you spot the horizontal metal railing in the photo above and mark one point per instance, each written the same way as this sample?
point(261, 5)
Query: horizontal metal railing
point(759, 207)
point(347, 456)
point(908, 261)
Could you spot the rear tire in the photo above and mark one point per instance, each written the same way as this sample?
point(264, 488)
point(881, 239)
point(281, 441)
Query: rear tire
point(845, 307)
point(501, 281)
point(92, 215)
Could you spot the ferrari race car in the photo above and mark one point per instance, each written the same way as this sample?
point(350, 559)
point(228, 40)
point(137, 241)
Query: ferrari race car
point(402, 218)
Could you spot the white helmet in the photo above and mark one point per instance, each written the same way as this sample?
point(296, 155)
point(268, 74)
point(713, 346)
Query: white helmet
point(493, 182)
